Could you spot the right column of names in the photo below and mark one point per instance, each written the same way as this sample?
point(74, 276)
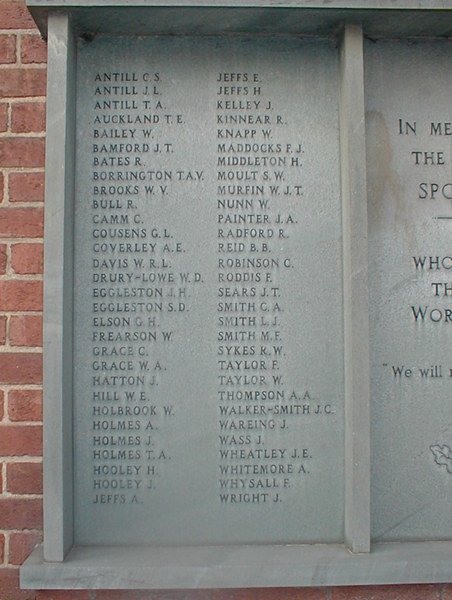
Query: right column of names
point(259, 175)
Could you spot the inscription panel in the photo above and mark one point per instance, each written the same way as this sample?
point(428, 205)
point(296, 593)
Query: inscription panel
point(208, 298)
point(410, 218)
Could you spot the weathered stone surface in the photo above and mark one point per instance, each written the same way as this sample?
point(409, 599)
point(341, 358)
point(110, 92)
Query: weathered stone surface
point(208, 350)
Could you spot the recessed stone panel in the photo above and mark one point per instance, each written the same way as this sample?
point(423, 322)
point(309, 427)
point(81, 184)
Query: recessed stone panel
point(208, 399)
point(410, 220)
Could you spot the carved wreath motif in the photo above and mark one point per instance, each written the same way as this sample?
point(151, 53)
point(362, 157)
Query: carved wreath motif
point(443, 456)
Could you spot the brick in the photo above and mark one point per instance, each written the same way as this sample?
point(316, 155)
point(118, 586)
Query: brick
point(22, 152)
point(25, 405)
point(27, 117)
point(26, 187)
point(2, 412)
point(65, 595)
point(20, 440)
point(3, 259)
point(387, 592)
point(20, 367)
point(270, 594)
point(21, 544)
point(23, 513)
point(25, 330)
point(2, 330)
point(33, 49)
point(2, 547)
point(20, 295)
point(3, 117)
point(24, 478)
point(27, 259)
point(15, 15)
point(153, 595)
point(21, 222)
point(7, 48)
point(9, 586)
point(22, 83)
point(2, 187)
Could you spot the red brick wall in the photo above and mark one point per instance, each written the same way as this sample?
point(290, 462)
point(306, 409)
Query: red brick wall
point(22, 125)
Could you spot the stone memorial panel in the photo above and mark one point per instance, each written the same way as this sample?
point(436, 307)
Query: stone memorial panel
point(247, 294)
point(208, 399)
point(410, 191)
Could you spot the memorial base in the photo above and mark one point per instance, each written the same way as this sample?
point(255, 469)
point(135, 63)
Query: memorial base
point(103, 567)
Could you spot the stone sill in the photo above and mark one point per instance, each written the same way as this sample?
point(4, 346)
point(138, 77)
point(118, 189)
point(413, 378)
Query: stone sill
point(197, 567)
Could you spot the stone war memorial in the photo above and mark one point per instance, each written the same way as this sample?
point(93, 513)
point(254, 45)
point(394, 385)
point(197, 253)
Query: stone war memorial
point(248, 294)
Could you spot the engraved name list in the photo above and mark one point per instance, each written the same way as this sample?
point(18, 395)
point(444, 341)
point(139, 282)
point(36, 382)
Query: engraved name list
point(208, 351)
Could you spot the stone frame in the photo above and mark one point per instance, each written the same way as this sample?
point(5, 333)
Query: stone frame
point(60, 564)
